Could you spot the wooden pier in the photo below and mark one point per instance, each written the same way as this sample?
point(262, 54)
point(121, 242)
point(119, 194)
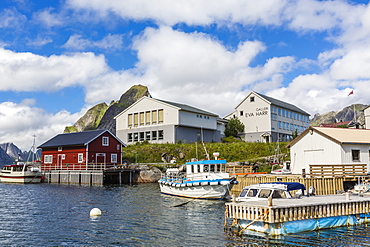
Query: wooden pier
point(92, 177)
point(286, 216)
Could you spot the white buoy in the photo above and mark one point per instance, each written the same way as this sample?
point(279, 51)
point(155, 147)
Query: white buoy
point(95, 212)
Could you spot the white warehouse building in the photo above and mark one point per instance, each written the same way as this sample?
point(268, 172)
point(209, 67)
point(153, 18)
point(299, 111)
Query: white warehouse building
point(267, 119)
point(159, 121)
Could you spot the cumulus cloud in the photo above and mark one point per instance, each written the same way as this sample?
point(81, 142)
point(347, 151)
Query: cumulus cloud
point(192, 12)
point(109, 42)
point(19, 122)
point(25, 71)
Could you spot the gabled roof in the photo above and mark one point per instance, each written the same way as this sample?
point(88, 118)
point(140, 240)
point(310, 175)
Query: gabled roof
point(188, 108)
point(338, 135)
point(282, 104)
point(73, 139)
point(173, 104)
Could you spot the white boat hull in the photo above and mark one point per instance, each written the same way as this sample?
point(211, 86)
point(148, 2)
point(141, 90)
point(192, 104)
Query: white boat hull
point(217, 191)
point(21, 178)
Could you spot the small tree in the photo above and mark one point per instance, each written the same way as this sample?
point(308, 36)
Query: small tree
point(233, 127)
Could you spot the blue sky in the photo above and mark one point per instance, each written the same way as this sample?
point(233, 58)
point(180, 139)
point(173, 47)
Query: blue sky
point(59, 58)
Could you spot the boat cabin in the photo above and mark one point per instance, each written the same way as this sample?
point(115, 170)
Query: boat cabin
point(278, 190)
point(206, 169)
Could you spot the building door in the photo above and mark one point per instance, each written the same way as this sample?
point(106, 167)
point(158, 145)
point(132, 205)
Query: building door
point(100, 159)
point(60, 162)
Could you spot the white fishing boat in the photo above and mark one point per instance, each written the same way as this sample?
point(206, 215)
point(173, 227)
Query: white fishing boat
point(23, 172)
point(205, 179)
point(277, 190)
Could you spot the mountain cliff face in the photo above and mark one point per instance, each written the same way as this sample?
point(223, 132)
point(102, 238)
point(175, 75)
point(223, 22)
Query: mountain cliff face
point(346, 114)
point(90, 120)
point(127, 99)
point(102, 116)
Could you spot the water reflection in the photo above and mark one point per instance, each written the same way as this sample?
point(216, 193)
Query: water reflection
point(58, 215)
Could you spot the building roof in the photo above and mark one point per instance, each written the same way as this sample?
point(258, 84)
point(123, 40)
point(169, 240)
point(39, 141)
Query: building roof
point(335, 124)
point(173, 104)
point(73, 139)
point(188, 108)
point(282, 104)
point(338, 135)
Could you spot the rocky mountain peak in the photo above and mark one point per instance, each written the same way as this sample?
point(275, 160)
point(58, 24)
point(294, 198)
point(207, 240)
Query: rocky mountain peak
point(102, 116)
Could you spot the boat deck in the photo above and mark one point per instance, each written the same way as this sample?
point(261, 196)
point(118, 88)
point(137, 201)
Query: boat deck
point(312, 207)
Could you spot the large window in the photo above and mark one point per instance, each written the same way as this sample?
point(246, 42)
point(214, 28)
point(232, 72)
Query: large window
point(154, 117)
point(160, 116)
point(355, 155)
point(129, 120)
point(147, 117)
point(136, 119)
point(142, 120)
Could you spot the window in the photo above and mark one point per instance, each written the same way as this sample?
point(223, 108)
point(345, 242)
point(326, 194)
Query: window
point(136, 137)
point(113, 158)
point(48, 159)
point(60, 149)
point(160, 134)
point(154, 117)
point(141, 136)
point(160, 116)
point(136, 119)
point(129, 137)
point(147, 135)
point(154, 135)
point(142, 120)
point(147, 117)
point(251, 99)
point(105, 141)
point(241, 113)
point(129, 120)
point(355, 155)
point(80, 158)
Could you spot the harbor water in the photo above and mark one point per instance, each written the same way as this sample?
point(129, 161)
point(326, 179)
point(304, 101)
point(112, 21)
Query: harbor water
point(59, 215)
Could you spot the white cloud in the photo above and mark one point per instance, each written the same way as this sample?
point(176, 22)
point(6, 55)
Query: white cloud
point(109, 42)
point(25, 71)
point(19, 122)
point(49, 19)
point(39, 41)
point(191, 12)
point(11, 18)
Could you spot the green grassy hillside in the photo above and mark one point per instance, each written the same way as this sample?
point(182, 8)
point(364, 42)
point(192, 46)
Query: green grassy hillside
point(232, 152)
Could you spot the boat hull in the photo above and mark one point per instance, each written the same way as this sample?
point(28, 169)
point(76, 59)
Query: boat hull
point(216, 190)
point(19, 178)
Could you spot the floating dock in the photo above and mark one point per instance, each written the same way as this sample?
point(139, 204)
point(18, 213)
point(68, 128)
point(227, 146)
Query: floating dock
point(287, 216)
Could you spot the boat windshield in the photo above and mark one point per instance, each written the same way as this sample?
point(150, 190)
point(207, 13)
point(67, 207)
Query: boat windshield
point(248, 193)
point(264, 193)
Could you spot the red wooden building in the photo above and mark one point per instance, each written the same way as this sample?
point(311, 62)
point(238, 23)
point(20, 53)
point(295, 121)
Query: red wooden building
point(87, 150)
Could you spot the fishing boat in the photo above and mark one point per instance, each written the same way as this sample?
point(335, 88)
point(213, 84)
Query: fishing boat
point(206, 179)
point(23, 172)
point(276, 190)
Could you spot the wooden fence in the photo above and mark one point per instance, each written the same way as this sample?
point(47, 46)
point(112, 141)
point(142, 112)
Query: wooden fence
point(338, 170)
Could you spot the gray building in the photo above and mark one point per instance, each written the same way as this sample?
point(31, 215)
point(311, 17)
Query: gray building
point(159, 121)
point(267, 119)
